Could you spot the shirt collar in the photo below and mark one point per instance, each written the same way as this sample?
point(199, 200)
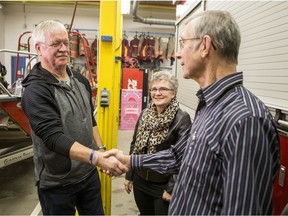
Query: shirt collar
point(215, 90)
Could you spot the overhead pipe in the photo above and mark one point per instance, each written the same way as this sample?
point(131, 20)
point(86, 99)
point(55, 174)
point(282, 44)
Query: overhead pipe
point(73, 16)
point(137, 18)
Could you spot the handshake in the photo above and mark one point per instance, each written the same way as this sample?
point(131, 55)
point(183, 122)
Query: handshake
point(112, 162)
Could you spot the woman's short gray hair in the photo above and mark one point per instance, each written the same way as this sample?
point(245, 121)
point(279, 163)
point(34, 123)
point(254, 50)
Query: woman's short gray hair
point(165, 75)
point(44, 28)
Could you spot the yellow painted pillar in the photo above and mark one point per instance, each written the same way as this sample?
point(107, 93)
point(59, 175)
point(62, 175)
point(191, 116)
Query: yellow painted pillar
point(109, 71)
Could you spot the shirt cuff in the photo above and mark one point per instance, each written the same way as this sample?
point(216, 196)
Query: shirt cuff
point(136, 162)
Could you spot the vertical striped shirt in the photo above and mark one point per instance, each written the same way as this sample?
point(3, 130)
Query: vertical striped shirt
point(228, 161)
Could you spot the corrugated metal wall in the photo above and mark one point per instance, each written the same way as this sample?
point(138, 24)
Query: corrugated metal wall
point(263, 56)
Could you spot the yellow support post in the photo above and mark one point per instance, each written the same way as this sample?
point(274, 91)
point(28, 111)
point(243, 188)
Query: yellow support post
point(109, 70)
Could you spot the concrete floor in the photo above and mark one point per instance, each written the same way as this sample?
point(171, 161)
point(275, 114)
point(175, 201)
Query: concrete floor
point(18, 194)
point(121, 202)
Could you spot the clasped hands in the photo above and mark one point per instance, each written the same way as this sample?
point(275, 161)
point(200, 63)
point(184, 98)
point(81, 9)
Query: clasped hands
point(114, 162)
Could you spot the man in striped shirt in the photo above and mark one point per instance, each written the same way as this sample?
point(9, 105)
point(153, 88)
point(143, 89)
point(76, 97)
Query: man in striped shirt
point(228, 161)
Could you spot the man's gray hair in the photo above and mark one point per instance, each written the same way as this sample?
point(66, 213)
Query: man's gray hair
point(223, 30)
point(44, 28)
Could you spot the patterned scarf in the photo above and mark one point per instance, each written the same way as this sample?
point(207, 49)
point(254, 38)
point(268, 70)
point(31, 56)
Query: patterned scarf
point(154, 128)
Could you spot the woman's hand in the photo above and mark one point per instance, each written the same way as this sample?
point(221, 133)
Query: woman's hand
point(128, 186)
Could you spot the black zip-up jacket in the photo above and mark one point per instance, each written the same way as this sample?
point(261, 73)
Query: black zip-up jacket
point(59, 114)
point(180, 124)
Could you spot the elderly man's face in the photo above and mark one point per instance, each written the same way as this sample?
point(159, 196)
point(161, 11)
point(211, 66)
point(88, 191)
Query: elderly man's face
point(189, 53)
point(55, 50)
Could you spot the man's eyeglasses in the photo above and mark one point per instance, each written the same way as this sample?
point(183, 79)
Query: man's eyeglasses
point(57, 45)
point(181, 42)
point(161, 90)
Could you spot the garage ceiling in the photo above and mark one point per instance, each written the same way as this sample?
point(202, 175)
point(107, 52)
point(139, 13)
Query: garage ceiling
point(142, 3)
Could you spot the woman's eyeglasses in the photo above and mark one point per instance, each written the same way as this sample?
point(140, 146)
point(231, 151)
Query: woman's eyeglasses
point(161, 90)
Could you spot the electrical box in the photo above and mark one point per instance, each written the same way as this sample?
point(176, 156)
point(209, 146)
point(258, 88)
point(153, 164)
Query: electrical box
point(104, 97)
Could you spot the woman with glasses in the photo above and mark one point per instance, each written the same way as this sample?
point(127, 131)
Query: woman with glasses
point(159, 126)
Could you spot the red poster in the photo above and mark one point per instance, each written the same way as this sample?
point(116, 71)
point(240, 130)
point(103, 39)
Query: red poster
point(132, 78)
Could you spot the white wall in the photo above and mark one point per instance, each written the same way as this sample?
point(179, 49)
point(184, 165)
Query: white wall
point(86, 19)
point(262, 55)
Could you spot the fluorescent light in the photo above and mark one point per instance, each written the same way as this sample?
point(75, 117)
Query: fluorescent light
point(125, 6)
